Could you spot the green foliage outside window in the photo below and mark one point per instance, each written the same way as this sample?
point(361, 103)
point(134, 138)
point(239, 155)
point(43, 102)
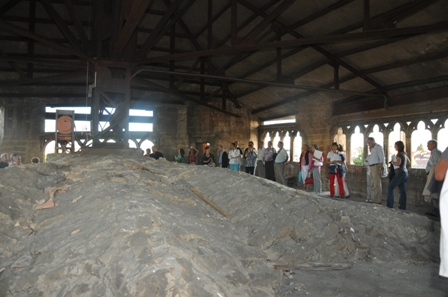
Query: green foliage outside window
point(360, 159)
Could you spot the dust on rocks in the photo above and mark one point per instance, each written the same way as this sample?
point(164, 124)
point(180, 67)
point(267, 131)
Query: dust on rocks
point(134, 227)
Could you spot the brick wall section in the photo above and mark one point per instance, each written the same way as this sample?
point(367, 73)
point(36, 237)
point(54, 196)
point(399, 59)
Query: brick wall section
point(23, 123)
point(208, 126)
point(170, 127)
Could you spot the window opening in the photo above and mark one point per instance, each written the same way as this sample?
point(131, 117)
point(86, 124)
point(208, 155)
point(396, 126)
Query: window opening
point(357, 148)
point(394, 136)
point(419, 139)
point(297, 147)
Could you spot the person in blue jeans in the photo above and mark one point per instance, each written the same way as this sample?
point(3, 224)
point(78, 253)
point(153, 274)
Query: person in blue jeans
point(401, 177)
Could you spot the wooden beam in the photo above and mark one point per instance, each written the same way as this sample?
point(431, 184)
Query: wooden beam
point(65, 30)
point(150, 41)
point(21, 73)
point(316, 47)
point(6, 5)
point(392, 101)
point(30, 42)
point(250, 37)
point(35, 61)
point(134, 18)
point(328, 39)
point(182, 96)
point(78, 25)
point(226, 90)
point(19, 31)
point(234, 22)
point(50, 78)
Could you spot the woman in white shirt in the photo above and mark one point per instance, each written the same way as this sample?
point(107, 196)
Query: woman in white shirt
point(234, 157)
point(335, 161)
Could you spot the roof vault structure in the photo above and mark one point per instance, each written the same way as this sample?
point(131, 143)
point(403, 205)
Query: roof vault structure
point(265, 55)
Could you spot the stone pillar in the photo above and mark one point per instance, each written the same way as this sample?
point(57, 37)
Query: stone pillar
point(22, 124)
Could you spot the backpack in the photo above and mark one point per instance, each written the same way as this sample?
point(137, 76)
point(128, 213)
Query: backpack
point(274, 156)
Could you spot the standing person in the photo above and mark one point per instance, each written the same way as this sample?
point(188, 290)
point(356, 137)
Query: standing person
point(4, 160)
point(369, 183)
point(315, 167)
point(335, 161)
point(269, 161)
point(148, 152)
point(16, 161)
point(400, 178)
point(234, 157)
point(376, 161)
point(223, 160)
point(192, 155)
point(155, 153)
point(279, 164)
point(430, 167)
point(208, 159)
point(250, 155)
point(180, 158)
point(440, 175)
point(344, 168)
point(240, 160)
point(259, 169)
point(305, 162)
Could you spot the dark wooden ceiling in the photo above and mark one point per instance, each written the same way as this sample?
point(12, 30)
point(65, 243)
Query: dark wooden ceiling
point(263, 55)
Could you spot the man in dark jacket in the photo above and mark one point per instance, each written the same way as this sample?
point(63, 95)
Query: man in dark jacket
point(4, 162)
point(223, 160)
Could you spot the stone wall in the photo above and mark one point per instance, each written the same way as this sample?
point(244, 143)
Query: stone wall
point(22, 124)
point(170, 127)
point(316, 124)
point(208, 126)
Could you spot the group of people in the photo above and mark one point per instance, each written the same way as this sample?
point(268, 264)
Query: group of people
point(13, 160)
point(154, 154)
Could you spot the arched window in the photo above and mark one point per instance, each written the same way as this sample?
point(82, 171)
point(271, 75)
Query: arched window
point(357, 148)
point(419, 139)
point(394, 136)
point(276, 140)
point(379, 137)
point(49, 148)
point(287, 144)
point(147, 144)
point(267, 139)
point(442, 138)
point(341, 138)
point(132, 143)
point(297, 147)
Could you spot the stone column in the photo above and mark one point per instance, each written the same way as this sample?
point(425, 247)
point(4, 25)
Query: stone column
point(23, 123)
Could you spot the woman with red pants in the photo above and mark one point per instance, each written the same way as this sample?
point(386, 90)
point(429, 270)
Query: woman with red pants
point(335, 160)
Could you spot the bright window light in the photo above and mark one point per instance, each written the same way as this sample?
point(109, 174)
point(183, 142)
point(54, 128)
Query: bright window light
point(276, 122)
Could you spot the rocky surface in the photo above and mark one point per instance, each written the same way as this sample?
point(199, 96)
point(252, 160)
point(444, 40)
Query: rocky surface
point(137, 227)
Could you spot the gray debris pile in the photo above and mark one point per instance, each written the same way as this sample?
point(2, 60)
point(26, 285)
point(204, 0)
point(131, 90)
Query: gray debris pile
point(120, 226)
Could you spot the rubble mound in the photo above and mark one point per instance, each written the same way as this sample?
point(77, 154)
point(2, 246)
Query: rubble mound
point(117, 226)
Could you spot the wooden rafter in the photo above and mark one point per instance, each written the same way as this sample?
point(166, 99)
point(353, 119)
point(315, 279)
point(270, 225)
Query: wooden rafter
point(78, 24)
point(182, 96)
point(332, 39)
point(352, 76)
point(11, 62)
point(250, 37)
point(65, 30)
point(150, 41)
point(19, 31)
point(134, 18)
